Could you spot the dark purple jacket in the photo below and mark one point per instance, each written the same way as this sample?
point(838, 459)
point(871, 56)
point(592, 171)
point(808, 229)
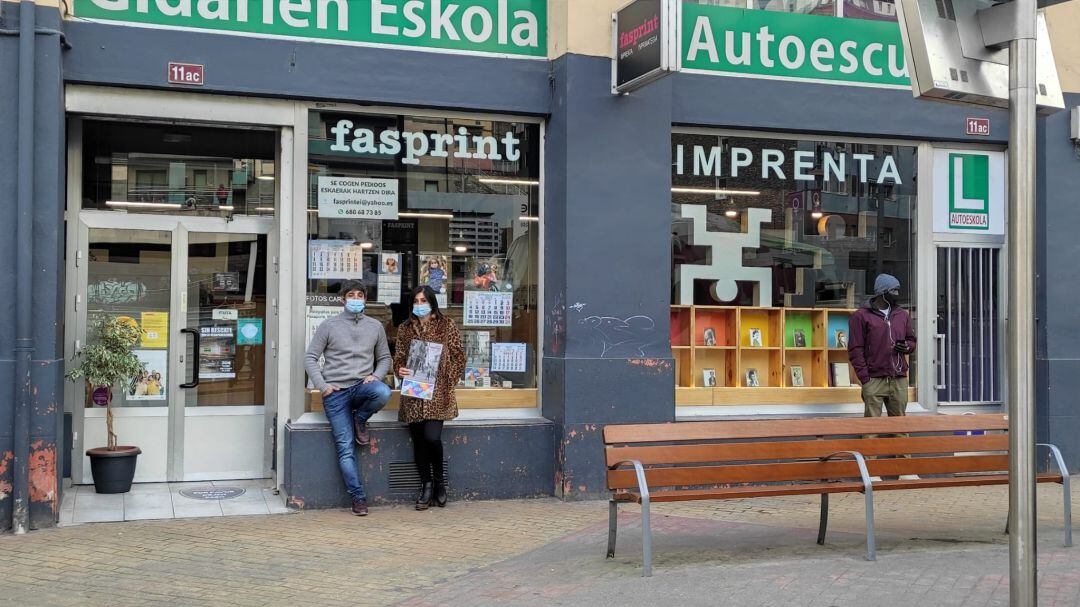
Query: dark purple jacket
point(871, 339)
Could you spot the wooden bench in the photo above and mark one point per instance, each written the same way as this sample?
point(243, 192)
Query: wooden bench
point(721, 460)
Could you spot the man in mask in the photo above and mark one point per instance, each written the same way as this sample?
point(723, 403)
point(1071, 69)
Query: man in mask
point(880, 339)
point(355, 359)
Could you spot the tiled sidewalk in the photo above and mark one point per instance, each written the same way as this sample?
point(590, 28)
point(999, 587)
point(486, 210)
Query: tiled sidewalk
point(936, 547)
point(150, 501)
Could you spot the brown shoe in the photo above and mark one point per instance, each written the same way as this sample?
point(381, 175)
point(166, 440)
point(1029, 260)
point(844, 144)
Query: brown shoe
point(359, 507)
point(363, 437)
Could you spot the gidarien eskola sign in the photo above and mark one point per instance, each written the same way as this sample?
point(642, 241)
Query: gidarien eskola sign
point(779, 46)
point(497, 27)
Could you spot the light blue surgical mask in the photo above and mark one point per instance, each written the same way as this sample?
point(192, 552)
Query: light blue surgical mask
point(421, 310)
point(356, 306)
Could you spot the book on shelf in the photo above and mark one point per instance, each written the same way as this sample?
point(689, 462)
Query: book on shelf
point(709, 378)
point(840, 339)
point(798, 380)
point(752, 380)
point(755, 338)
point(799, 338)
point(709, 337)
point(841, 375)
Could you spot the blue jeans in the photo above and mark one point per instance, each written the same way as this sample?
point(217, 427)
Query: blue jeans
point(360, 401)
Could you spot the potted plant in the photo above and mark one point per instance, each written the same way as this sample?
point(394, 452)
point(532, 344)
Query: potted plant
point(103, 365)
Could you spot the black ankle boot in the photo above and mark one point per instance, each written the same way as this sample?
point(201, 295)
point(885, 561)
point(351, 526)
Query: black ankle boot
point(423, 501)
point(440, 494)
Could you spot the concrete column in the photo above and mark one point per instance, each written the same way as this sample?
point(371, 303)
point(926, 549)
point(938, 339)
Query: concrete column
point(607, 265)
point(44, 469)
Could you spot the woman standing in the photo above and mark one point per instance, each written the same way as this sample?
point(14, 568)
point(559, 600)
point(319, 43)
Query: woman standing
point(425, 417)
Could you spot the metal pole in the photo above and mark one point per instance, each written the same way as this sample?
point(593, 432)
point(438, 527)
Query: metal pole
point(24, 270)
point(1021, 326)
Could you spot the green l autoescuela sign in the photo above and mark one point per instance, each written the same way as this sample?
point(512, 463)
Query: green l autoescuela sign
point(493, 27)
point(767, 44)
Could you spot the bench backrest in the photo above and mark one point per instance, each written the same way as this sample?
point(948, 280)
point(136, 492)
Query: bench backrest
point(690, 454)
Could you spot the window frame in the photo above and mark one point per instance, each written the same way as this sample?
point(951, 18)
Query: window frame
point(297, 217)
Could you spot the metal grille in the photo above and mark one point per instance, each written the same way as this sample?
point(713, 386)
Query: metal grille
point(969, 326)
point(405, 479)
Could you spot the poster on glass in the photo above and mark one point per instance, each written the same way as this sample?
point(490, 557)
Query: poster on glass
point(435, 273)
point(217, 352)
point(151, 383)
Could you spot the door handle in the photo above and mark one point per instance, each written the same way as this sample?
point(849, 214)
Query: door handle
point(195, 360)
point(940, 362)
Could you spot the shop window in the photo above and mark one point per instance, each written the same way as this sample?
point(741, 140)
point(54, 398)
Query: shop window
point(774, 243)
point(452, 203)
point(810, 7)
point(875, 10)
point(142, 167)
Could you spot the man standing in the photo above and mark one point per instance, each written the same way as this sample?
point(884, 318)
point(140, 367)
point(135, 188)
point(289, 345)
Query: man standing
point(880, 338)
point(355, 358)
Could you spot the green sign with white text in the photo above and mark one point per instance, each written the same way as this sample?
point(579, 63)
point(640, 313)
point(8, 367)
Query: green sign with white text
point(493, 27)
point(768, 44)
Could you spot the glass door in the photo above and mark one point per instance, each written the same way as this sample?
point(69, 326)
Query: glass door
point(197, 287)
point(128, 274)
point(226, 314)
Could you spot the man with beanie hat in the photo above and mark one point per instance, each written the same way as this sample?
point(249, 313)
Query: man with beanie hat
point(880, 338)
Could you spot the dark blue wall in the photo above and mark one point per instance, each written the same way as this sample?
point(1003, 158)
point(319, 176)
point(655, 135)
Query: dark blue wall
point(1058, 358)
point(607, 208)
point(776, 105)
point(607, 259)
point(485, 460)
point(46, 406)
point(131, 56)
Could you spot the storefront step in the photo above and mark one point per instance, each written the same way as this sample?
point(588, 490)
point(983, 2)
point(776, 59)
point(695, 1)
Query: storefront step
point(496, 459)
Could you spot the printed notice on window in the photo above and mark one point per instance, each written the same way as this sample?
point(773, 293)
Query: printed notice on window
point(358, 197)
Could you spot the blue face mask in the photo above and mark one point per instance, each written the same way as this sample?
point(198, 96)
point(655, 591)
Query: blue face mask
point(356, 306)
point(421, 310)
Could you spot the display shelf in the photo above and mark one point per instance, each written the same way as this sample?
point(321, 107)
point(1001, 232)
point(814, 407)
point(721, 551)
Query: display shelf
point(768, 322)
point(684, 366)
point(715, 326)
point(467, 398)
point(681, 326)
point(733, 356)
point(723, 363)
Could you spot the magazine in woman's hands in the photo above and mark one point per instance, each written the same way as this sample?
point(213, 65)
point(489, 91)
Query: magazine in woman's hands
point(423, 361)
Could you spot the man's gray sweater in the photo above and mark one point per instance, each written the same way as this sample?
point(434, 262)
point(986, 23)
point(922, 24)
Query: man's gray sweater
point(353, 346)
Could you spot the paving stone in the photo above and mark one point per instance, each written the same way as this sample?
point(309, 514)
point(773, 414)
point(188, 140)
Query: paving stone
point(938, 547)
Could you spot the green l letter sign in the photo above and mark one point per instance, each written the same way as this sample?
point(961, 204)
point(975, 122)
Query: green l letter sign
point(969, 192)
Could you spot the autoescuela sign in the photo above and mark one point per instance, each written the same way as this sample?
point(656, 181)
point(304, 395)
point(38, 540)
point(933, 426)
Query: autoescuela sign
point(969, 192)
point(490, 27)
point(790, 46)
point(644, 39)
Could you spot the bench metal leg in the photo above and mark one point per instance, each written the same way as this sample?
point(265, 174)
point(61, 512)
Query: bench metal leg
point(1067, 495)
point(868, 493)
point(1067, 498)
point(871, 551)
point(824, 523)
point(613, 527)
point(646, 538)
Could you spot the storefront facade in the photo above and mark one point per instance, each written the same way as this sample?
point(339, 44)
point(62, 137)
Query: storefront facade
point(689, 250)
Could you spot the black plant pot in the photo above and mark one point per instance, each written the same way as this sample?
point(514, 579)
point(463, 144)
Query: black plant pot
point(114, 469)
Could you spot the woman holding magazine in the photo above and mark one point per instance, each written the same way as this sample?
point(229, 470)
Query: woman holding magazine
point(429, 359)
